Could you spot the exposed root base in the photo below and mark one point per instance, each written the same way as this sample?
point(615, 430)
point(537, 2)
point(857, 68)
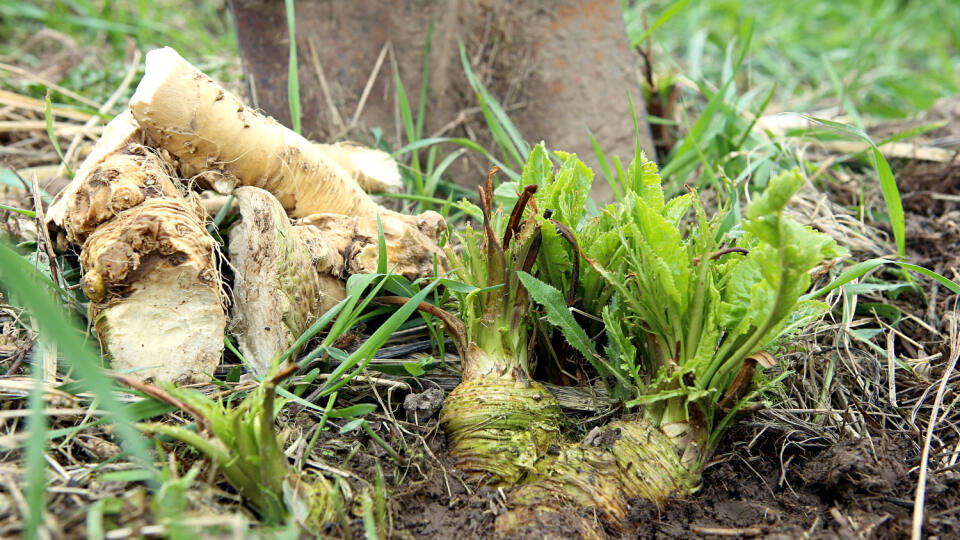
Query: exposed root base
point(629, 459)
point(498, 429)
point(119, 174)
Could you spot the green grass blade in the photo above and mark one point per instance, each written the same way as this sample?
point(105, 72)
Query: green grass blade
point(951, 285)
point(17, 274)
point(888, 184)
point(684, 153)
point(381, 248)
point(221, 215)
point(424, 82)
point(612, 181)
point(864, 267)
point(408, 126)
point(375, 341)
point(21, 211)
point(519, 147)
point(293, 75)
point(48, 117)
point(667, 14)
point(35, 452)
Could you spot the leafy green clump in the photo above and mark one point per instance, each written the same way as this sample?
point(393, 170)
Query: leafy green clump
point(693, 303)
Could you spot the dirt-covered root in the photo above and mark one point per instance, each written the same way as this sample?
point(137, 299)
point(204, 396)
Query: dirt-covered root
point(118, 174)
point(412, 242)
point(498, 428)
point(154, 289)
point(286, 277)
point(228, 144)
point(623, 461)
point(374, 170)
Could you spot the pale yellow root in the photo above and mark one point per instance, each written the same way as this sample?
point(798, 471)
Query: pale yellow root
point(374, 170)
point(228, 144)
point(411, 247)
point(221, 141)
point(115, 176)
point(155, 293)
point(148, 262)
point(286, 277)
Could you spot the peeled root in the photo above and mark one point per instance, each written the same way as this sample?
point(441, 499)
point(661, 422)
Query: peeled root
point(286, 277)
point(498, 429)
point(626, 460)
point(155, 291)
point(228, 144)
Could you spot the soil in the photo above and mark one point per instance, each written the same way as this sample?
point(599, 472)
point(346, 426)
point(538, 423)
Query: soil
point(849, 490)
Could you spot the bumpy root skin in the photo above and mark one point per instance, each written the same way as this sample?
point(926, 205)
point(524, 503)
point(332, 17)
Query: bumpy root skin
point(148, 262)
point(286, 277)
point(412, 241)
point(220, 140)
point(119, 174)
point(499, 428)
point(155, 292)
point(629, 459)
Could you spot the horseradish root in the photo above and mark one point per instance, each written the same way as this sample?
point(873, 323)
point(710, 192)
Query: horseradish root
point(148, 262)
point(374, 170)
point(154, 290)
point(225, 143)
point(286, 276)
point(411, 244)
point(116, 176)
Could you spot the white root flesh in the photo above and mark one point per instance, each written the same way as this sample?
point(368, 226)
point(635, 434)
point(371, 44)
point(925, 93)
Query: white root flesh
point(374, 170)
point(229, 144)
point(156, 302)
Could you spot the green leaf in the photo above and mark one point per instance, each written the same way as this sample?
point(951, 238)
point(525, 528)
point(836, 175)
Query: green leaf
point(354, 410)
point(351, 425)
point(538, 169)
point(414, 368)
point(557, 313)
point(130, 475)
point(568, 193)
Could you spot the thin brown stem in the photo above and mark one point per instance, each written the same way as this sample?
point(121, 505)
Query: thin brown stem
point(162, 395)
point(493, 248)
point(513, 226)
point(454, 325)
point(575, 274)
point(721, 252)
